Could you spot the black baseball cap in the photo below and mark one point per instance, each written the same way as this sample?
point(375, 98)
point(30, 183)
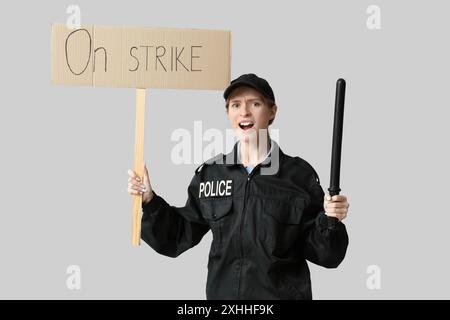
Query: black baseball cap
point(252, 80)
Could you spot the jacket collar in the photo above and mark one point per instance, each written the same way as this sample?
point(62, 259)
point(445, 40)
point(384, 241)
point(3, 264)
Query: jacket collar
point(232, 158)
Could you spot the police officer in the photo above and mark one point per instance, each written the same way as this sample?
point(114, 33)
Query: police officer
point(267, 211)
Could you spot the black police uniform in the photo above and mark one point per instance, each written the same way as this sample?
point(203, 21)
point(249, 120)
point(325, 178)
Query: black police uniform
point(265, 227)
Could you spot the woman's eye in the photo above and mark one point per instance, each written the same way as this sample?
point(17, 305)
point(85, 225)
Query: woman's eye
point(235, 105)
point(256, 104)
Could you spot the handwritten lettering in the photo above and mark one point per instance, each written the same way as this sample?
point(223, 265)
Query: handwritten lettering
point(164, 58)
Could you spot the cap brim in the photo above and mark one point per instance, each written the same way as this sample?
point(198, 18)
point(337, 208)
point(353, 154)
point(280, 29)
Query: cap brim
point(235, 85)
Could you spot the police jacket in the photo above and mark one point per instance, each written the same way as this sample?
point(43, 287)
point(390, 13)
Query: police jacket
point(265, 226)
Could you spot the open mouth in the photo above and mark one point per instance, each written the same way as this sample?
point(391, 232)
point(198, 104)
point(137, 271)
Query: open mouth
point(245, 125)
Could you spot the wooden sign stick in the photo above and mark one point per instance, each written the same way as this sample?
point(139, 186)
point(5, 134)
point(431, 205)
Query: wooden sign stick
point(138, 165)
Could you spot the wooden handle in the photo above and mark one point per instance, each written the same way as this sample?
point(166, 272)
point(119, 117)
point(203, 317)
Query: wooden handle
point(138, 165)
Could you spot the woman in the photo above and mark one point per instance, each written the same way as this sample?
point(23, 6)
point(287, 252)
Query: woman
point(267, 211)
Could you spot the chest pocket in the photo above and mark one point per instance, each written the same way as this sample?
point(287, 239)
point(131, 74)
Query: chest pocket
point(284, 212)
point(215, 209)
point(218, 213)
point(282, 225)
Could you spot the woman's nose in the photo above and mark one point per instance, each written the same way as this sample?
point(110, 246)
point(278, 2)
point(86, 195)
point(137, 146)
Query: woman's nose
point(245, 110)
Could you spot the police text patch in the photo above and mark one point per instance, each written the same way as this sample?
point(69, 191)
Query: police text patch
point(217, 188)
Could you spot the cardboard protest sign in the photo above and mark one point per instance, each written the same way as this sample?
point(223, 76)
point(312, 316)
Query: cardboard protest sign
point(140, 58)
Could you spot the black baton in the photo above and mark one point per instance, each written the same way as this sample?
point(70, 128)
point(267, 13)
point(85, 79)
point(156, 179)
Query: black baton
point(337, 138)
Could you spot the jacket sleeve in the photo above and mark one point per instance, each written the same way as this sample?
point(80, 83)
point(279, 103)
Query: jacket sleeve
point(325, 238)
point(171, 230)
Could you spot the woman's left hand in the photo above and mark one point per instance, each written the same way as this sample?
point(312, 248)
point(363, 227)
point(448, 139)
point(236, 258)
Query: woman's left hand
point(336, 206)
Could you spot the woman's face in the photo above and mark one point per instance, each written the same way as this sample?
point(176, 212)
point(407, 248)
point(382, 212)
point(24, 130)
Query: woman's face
point(248, 112)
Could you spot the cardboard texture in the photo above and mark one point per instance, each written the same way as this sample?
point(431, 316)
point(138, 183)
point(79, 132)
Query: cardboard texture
point(141, 57)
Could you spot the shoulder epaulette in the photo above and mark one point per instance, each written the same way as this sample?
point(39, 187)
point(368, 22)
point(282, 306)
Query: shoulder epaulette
point(305, 164)
point(210, 162)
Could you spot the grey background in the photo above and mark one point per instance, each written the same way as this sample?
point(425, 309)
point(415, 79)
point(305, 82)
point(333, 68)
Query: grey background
point(65, 150)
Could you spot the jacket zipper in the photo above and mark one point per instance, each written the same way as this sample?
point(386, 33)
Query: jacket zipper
point(247, 183)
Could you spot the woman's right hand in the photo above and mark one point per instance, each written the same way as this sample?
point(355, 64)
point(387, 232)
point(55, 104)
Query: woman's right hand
point(137, 187)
